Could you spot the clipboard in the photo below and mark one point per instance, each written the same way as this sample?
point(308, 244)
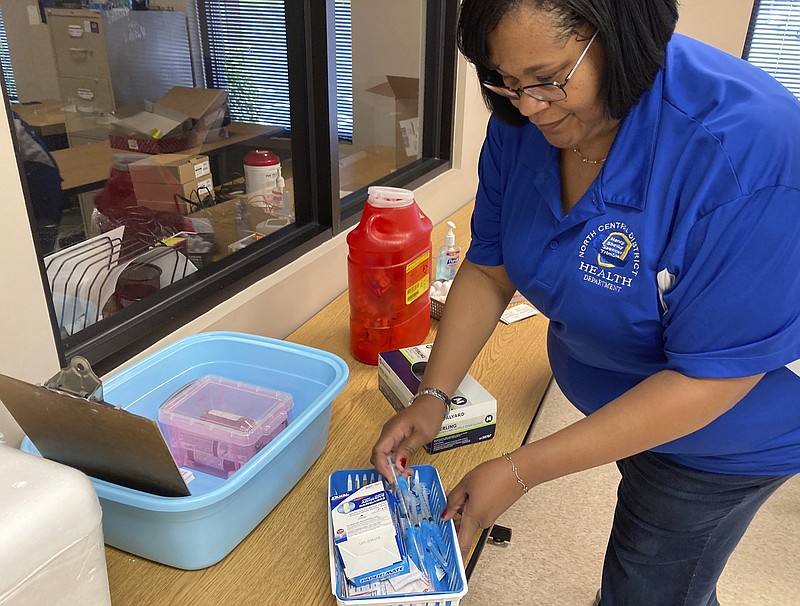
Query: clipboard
point(68, 422)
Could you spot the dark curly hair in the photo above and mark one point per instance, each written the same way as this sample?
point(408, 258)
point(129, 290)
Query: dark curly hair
point(635, 34)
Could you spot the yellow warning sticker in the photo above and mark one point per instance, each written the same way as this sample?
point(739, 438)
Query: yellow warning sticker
point(418, 274)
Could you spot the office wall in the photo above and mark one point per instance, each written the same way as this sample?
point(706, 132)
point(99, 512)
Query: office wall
point(281, 302)
point(387, 40)
point(721, 23)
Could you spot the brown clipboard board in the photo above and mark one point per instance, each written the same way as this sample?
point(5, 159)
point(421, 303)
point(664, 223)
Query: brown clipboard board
point(101, 440)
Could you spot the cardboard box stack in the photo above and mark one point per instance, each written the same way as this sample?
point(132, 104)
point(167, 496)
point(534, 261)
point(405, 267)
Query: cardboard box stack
point(184, 118)
point(157, 180)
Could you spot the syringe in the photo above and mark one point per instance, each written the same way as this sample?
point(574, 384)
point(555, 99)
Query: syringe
point(410, 534)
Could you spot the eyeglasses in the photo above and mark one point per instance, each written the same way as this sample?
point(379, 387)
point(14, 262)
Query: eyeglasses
point(547, 91)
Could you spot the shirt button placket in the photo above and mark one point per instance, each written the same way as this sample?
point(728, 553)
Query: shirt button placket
point(550, 266)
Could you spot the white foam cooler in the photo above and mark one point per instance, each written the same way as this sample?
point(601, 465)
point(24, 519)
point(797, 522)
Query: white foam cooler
point(51, 537)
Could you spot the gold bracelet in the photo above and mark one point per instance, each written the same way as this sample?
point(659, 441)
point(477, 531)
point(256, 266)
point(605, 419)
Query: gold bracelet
point(514, 470)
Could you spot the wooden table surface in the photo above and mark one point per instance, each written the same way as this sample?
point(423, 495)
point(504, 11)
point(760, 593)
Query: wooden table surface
point(285, 559)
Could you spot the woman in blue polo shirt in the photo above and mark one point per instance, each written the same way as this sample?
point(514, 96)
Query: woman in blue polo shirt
point(643, 191)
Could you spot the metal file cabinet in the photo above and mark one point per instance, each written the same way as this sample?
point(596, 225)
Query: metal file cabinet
point(111, 58)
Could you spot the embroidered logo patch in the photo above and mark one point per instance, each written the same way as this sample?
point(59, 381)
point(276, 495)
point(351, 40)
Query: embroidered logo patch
point(609, 256)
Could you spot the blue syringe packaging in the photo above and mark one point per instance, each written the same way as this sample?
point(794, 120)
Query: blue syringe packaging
point(387, 543)
point(366, 541)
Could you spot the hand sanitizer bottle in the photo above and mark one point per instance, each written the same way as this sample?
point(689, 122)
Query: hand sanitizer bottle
point(282, 198)
point(449, 255)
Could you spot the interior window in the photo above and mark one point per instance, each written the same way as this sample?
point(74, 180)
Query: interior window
point(174, 154)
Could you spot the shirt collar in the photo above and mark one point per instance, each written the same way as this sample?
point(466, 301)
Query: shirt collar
point(625, 177)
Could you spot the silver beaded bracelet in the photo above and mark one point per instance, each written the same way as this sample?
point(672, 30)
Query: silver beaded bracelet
point(514, 470)
point(436, 393)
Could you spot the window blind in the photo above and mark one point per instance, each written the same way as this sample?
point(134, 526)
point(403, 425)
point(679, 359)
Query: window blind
point(247, 56)
point(773, 42)
point(344, 69)
point(5, 62)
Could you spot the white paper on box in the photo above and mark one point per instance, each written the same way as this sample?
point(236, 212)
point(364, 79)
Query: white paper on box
point(205, 184)
point(201, 169)
point(363, 530)
point(149, 121)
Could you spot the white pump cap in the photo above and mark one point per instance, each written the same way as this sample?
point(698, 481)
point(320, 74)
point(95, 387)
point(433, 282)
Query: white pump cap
point(389, 197)
point(450, 237)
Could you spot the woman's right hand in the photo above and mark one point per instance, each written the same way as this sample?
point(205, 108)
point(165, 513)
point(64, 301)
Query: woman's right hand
point(404, 433)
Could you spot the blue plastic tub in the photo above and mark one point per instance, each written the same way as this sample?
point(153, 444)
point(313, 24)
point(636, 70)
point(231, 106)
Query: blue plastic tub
point(199, 530)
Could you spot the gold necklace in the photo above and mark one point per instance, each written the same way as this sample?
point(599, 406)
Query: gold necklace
point(586, 160)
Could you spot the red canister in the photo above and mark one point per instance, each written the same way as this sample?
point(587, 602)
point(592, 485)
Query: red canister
point(388, 270)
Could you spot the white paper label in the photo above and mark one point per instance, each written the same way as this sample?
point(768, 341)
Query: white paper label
point(517, 313)
point(201, 169)
point(224, 415)
point(410, 131)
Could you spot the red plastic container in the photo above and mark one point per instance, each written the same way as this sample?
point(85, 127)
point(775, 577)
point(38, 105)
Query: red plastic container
point(388, 270)
point(118, 189)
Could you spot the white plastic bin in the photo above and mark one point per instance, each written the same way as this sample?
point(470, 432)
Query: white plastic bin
point(51, 538)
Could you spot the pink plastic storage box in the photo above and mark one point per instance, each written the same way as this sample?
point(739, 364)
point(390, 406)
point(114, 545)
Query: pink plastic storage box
point(217, 425)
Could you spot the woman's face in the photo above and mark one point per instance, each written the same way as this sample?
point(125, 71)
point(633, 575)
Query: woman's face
point(526, 49)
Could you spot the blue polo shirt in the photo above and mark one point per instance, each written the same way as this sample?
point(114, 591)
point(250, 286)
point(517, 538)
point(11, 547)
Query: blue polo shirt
point(683, 254)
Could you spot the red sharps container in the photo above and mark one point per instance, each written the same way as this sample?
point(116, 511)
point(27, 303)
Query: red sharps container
point(388, 270)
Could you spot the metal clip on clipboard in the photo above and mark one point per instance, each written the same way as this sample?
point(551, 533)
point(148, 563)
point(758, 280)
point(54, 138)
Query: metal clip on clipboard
point(68, 421)
point(77, 379)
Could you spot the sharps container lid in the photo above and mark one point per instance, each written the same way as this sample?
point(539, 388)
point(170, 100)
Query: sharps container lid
point(389, 197)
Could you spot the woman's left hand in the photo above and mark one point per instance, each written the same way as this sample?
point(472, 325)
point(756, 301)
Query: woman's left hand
point(480, 497)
